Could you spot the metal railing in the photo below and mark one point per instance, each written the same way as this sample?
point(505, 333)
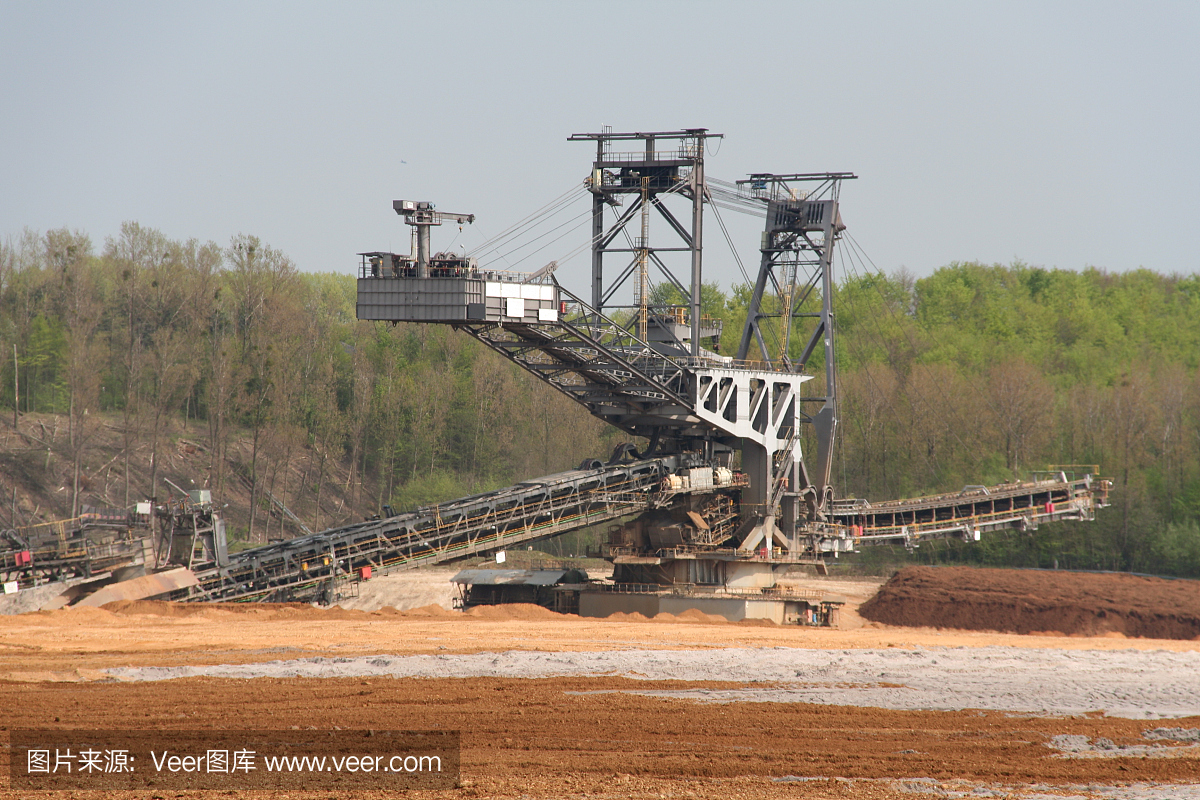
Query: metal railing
point(488, 275)
point(676, 154)
point(449, 531)
point(714, 590)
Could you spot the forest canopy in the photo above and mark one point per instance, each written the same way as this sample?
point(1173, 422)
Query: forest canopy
point(975, 374)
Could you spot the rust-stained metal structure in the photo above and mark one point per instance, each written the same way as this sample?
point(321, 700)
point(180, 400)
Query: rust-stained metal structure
point(112, 544)
point(98, 540)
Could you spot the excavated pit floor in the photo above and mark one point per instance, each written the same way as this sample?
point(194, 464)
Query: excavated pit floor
point(552, 706)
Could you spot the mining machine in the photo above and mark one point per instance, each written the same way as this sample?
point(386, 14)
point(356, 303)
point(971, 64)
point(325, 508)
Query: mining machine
point(646, 370)
point(720, 497)
point(419, 263)
point(102, 547)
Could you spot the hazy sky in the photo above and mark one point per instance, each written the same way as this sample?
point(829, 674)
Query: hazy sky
point(1062, 134)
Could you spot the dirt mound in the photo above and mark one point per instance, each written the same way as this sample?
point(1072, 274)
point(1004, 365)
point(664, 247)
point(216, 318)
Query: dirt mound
point(157, 608)
point(696, 615)
point(690, 615)
point(1029, 601)
point(433, 610)
point(167, 608)
point(523, 611)
point(77, 613)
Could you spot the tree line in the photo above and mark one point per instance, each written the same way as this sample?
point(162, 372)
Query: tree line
point(146, 334)
point(975, 374)
point(980, 374)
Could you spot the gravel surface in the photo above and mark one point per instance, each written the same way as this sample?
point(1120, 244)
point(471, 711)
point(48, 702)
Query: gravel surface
point(1126, 683)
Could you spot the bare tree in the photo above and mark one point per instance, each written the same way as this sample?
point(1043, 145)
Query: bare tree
point(935, 403)
point(69, 255)
point(493, 391)
point(868, 401)
point(329, 426)
point(1172, 385)
point(177, 288)
point(1020, 401)
point(134, 252)
point(264, 292)
point(1131, 412)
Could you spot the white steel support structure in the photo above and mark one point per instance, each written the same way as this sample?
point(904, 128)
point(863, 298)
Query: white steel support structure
point(762, 410)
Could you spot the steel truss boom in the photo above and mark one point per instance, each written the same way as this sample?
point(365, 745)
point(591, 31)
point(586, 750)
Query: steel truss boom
point(601, 365)
point(475, 525)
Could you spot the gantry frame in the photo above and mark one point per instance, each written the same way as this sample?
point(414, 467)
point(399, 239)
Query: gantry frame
point(802, 225)
point(669, 171)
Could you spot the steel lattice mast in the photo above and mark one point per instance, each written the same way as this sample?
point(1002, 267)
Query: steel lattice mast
point(797, 245)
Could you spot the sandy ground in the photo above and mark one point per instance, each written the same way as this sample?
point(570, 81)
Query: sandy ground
point(405, 589)
point(554, 706)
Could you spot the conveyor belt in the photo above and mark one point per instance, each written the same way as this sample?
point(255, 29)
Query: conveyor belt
point(482, 523)
point(302, 568)
point(97, 540)
point(973, 511)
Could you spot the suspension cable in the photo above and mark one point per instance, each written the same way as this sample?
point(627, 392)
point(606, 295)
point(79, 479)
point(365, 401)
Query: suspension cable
point(549, 209)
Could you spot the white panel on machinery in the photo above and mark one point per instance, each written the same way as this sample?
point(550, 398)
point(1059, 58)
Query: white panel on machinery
point(492, 289)
point(510, 290)
point(514, 307)
point(547, 315)
point(531, 291)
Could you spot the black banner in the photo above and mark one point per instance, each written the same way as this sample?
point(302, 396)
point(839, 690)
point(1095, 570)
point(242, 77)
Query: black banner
point(237, 760)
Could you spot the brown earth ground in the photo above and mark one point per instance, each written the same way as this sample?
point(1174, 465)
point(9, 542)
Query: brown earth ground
point(540, 738)
point(1027, 601)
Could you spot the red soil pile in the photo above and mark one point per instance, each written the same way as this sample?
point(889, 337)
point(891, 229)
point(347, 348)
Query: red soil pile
point(431, 610)
point(167, 608)
point(1029, 601)
point(518, 611)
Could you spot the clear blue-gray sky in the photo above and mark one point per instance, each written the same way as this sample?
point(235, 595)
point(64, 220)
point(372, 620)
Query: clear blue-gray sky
point(1063, 134)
